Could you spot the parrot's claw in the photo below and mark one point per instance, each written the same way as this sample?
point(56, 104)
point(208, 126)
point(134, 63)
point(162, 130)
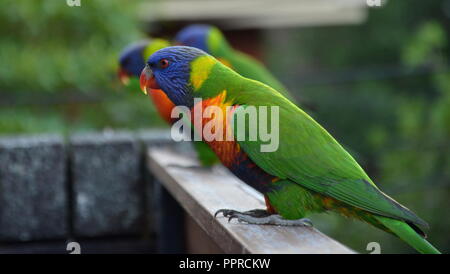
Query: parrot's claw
point(257, 213)
point(262, 217)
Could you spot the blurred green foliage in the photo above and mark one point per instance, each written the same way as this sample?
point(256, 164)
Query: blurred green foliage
point(389, 106)
point(51, 50)
point(49, 46)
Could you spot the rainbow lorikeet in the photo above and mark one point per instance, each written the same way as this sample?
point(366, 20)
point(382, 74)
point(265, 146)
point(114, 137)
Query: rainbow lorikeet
point(131, 62)
point(309, 172)
point(211, 40)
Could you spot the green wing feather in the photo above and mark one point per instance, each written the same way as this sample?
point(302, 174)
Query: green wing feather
point(205, 154)
point(310, 156)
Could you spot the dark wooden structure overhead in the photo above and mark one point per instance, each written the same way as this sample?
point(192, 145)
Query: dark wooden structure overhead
point(243, 20)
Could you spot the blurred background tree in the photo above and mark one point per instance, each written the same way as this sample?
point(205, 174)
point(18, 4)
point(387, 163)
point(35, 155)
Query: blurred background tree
point(381, 88)
point(58, 67)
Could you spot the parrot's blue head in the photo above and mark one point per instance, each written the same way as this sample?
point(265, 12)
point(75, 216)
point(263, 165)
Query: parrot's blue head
point(131, 60)
point(169, 69)
point(194, 36)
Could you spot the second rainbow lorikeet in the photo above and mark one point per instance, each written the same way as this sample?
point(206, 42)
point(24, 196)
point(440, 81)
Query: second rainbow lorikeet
point(211, 40)
point(131, 62)
point(309, 172)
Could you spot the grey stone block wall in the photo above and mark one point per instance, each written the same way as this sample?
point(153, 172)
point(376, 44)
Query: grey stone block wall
point(154, 137)
point(106, 184)
point(33, 197)
point(89, 185)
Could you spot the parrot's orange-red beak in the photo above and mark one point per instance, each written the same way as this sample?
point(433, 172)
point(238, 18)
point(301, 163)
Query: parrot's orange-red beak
point(124, 77)
point(147, 80)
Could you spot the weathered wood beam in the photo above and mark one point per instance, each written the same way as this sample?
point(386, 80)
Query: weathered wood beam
point(202, 191)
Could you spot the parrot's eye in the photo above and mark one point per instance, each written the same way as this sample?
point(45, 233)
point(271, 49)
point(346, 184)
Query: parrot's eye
point(163, 63)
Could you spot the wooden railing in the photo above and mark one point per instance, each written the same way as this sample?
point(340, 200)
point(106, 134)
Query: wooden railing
point(202, 191)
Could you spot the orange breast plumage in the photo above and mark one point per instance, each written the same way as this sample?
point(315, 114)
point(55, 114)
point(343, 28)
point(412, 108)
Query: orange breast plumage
point(163, 104)
point(214, 117)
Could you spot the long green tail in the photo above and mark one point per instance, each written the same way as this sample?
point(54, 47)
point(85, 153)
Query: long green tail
point(407, 234)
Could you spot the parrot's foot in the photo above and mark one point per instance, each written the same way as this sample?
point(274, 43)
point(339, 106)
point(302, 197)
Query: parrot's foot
point(274, 219)
point(262, 217)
